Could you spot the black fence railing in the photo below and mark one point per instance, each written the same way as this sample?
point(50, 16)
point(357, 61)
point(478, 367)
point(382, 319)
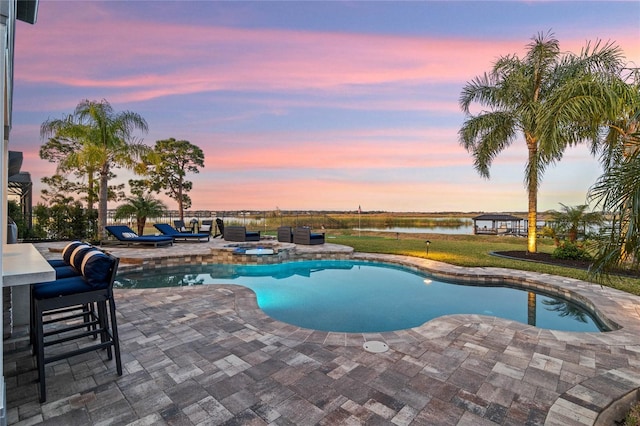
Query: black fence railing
point(61, 226)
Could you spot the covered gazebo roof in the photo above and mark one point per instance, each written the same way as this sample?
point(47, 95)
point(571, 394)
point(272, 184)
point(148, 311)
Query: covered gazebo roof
point(498, 217)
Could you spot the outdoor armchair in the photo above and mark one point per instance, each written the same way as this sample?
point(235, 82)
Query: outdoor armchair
point(285, 234)
point(303, 235)
point(240, 233)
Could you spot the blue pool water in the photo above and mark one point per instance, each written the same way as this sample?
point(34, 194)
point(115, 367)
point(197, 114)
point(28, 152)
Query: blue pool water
point(353, 296)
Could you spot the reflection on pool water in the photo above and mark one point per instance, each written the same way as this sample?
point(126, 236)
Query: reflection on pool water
point(363, 297)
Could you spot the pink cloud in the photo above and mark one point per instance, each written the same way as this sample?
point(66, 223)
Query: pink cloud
point(183, 59)
point(148, 60)
point(379, 149)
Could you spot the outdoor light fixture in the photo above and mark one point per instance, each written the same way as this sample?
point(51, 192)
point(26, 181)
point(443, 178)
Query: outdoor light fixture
point(428, 244)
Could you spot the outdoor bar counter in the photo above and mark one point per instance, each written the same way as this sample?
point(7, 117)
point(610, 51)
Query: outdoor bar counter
point(22, 264)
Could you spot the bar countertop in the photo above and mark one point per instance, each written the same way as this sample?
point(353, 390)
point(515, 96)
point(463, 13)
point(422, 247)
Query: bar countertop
point(23, 264)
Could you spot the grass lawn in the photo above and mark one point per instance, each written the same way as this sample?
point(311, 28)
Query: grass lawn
point(467, 250)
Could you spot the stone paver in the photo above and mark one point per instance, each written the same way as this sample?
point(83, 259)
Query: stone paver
point(207, 355)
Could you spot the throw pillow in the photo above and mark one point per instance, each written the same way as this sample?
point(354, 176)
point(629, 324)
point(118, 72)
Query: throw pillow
point(95, 268)
point(69, 248)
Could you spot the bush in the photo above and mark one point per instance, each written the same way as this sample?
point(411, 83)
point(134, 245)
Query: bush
point(570, 251)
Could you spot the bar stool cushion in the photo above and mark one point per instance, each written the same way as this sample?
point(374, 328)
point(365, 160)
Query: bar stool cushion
point(61, 287)
point(57, 263)
point(96, 268)
point(66, 271)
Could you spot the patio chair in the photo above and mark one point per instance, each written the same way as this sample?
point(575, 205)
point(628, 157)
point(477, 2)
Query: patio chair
point(52, 301)
point(169, 231)
point(209, 227)
point(125, 235)
point(303, 235)
point(220, 225)
point(285, 234)
point(240, 233)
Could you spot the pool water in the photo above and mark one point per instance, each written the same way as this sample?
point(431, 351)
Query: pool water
point(363, 297)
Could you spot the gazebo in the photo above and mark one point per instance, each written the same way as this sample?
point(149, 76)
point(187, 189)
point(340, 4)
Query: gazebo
point(501, 224)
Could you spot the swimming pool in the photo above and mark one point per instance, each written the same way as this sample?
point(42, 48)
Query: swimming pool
point(362, 297)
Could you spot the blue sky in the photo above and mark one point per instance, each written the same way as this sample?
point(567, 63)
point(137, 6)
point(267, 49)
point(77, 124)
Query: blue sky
point(307, 105)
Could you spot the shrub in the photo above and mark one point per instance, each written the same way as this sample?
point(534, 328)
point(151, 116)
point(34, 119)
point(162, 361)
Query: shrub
point(571, 251)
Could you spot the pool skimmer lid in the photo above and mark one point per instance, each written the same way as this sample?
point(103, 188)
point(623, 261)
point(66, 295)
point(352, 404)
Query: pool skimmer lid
point(375, 347)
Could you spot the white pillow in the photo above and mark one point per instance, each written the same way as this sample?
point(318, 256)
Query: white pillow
point(205, 228)
point(129, 234)
point(183, 229)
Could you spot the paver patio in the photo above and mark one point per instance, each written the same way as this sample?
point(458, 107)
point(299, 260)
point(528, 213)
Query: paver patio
point(207, 355)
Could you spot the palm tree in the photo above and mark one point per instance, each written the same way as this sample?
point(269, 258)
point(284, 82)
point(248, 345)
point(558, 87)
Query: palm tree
point(553, 100)
point(570, 219)
point(107, 141)
point(618, 191)
point(66, 150)
point(141, 207)
point(623, 127)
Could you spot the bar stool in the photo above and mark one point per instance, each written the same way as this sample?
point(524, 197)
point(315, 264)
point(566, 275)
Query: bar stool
point(94, 285)
point(74, 251)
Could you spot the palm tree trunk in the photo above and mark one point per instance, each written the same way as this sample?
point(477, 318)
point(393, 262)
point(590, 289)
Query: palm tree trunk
point(90, 197)
point(532, 229)
point(102, 202)
point(532, 189)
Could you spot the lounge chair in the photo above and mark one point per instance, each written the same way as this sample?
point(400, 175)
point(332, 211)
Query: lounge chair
point(285, 234)
point(181, 227)
point(168, 230)
point(303, 235)
point(240, 233)
point(127, 236)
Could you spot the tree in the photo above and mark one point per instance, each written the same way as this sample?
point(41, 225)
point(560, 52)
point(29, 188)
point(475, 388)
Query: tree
point(571, 219)
point(141, 207)
point(66, 151)
point(617, 192)
point(553, 100)
point(168, 166)
point(623, 125)
point(106, 141)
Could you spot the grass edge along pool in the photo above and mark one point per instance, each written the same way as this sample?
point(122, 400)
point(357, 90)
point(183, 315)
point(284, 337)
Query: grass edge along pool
point(357, 296)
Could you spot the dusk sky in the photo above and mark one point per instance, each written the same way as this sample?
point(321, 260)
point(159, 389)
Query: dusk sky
point(307, 105)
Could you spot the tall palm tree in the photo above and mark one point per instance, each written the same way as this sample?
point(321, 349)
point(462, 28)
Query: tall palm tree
point(141, 207)
point(553, 100)
point(107, 141)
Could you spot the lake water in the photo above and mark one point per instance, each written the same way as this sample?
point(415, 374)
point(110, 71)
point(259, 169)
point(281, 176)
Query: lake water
point(459, 230)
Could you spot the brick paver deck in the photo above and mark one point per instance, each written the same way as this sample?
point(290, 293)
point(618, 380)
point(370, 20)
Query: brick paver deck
point(207, 355)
